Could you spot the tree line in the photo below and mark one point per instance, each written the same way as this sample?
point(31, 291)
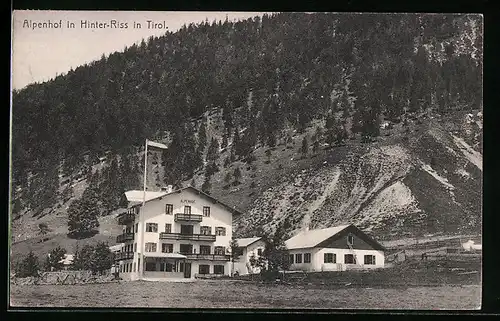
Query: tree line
point(97, 258)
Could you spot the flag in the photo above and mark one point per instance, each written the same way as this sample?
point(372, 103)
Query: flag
point(156, 144)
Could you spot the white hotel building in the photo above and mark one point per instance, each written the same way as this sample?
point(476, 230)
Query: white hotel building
point(179, 233)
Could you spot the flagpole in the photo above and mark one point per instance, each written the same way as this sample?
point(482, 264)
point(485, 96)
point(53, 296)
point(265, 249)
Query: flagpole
point(143, 203)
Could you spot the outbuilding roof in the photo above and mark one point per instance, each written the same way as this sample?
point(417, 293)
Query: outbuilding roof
point(244, 242)
point(311, 238)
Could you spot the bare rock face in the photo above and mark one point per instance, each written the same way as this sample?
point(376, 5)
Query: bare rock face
point(430, 183)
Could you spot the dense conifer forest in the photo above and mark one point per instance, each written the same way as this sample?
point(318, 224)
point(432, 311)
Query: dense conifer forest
point(265, 75)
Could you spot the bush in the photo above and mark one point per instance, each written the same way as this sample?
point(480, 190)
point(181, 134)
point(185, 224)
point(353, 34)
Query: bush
point(269, 276)
point(28, 266)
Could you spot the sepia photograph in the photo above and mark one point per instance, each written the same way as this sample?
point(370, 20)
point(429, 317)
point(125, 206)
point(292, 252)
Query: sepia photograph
point(246, 160)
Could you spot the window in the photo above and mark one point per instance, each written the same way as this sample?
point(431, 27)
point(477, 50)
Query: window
point(167, 248)
point(169, 209)
point(218, 269)
point(219, 250)
point(206, 211)
point(168, 228)
point(204, 269)
point(220, 231)
point(298, 258)
point(239, 251)
point(186, 248)
point(187, 209)
point(136, 227)
point(166, 267)
point(150, 266)
point(135, 247)
point(369, 259)
point(290, 257)
point(307, 257)
point(152, 227)
point(187, 229)
point(259, 252)
point(150, 247)
point(350, 239)
point(205, 230)
point(204, 249)
point(330, 258)
point(349, 258)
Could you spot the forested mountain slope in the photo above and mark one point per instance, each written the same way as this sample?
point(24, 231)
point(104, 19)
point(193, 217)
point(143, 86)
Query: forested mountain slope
point(269, 97)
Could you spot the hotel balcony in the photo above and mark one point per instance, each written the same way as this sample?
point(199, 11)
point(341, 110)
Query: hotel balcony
point(193, 237)
point(126, 218)
point(211, 257)
point(125, 237)
point(124, 256)
point(181, 217)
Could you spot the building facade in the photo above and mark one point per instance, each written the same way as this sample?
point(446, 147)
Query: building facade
point(334, 249)
point(248, 247)
point(177, 234)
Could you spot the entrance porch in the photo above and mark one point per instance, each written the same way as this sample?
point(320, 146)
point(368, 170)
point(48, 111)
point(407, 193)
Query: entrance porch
point(165, 267)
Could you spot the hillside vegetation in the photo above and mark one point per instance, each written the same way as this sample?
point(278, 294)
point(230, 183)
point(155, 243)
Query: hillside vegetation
point(299, 120)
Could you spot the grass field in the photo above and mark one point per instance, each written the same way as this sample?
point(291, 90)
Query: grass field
point(238, 294)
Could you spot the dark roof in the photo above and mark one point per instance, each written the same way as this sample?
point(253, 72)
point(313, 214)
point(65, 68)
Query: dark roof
point(232, 209)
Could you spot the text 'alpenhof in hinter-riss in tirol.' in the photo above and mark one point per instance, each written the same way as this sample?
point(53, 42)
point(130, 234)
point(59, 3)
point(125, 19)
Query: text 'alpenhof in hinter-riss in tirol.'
point(93, 24)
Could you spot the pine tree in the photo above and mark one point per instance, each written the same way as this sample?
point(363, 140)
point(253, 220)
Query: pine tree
point(268, 154)
point(211, 169)
point(315, 148)
point(206, 186)
point(82, 217)
point(43, 229)
point(237, 175)
point(235, 253)
point(29, 266)
point(202, 135)
point(227, 178)
point(54, 259)
point(305, 146)
point(102, 258)
point(213, 150)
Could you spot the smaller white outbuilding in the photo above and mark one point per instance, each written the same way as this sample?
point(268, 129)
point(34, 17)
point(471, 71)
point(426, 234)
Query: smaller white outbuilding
point(336, 248)
point(248, 247)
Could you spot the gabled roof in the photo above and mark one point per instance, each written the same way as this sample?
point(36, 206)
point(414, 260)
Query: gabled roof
point(163, 194)
point(312, 238)
point(244, 242)
point(138, 196)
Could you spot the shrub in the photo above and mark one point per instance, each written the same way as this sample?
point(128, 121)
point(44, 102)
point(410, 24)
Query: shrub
point(29, 266)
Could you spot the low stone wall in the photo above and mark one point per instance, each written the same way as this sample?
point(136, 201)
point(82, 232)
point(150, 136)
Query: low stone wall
point(64, 278)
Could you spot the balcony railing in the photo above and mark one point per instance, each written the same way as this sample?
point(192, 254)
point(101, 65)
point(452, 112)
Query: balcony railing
point(188, 217)
point(124, 256)
point(126, 218)
point(125, 237)
point(193, 237)
point(211, 257)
